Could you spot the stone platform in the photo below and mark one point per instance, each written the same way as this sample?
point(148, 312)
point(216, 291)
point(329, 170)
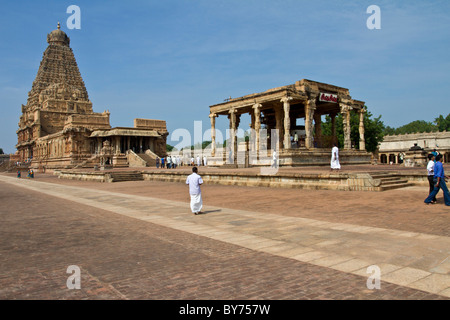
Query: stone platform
point(296, 157)
point(354, 178)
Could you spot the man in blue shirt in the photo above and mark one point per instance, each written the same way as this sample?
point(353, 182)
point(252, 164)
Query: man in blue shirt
point(439, 182)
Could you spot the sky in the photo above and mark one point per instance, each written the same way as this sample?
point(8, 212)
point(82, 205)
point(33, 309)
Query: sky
point(172, 59)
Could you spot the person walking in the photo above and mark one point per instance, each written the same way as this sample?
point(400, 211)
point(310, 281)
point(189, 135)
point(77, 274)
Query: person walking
point(274, 159)
point(435, 153)
point(163, 162)
point(157, 162)
point(439, 182)
point(194, 181)
point(430, 174)
point(335, 165)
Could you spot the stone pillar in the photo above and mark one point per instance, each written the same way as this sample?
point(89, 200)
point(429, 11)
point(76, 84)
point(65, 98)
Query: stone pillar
point(117, 145)
point(287, 122)
point(232, 147)
point(345, 110)
point(212, 118)
point(252, 132)
point(309, 114)
point(333, 128)
point(318, 129)
point(279, 126)
point(362, 140)
point(257, 126)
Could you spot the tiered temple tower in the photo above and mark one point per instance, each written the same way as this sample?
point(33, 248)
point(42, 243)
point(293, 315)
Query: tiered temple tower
point(58, 127)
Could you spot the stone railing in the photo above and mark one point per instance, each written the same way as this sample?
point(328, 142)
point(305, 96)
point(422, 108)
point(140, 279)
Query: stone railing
point(134, 160)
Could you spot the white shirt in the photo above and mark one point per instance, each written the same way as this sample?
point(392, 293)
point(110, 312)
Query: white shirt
point(430, 168)
point(194, 181)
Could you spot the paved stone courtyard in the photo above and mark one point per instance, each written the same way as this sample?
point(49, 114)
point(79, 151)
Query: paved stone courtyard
point(138, 240)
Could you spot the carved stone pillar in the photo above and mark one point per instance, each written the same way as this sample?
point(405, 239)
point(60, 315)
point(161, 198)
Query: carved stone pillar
point(257, 124)
point(333, 129)
point(318, 129)
point(232, 117)
point(117, 145)
point(309, 114)
point(362, 141)
point(212, 117)
point(287, 122)
point(345, 110)
point(279, 126)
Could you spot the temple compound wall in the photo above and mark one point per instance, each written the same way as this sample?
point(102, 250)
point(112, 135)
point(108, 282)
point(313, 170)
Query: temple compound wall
point(394, 148)
point(59, 129)
point(274, 115)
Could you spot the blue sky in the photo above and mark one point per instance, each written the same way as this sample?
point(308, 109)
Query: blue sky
point(172, 59)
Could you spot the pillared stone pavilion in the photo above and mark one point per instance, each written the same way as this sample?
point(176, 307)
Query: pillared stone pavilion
point(279, 108)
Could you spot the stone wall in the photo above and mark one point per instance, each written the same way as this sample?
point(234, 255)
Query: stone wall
point(403, 142)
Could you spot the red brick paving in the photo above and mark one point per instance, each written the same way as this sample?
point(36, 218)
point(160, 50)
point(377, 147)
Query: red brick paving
point(401, 209)
point(123, 258)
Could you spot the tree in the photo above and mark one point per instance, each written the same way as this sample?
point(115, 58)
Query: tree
point(443, 124)
point(418, 126)
point(1, 151)
point(373, 130)
point(169, 147)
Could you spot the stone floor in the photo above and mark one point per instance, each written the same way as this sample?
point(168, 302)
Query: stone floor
point(138, 240)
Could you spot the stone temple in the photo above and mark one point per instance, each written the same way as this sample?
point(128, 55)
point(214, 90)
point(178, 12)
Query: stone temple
point(274, 121)
point(59, 129)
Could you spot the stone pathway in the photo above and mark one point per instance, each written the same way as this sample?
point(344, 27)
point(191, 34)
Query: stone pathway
point(410, 259)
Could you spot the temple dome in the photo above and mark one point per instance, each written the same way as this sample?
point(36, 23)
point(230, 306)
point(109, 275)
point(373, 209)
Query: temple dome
point(58, 37)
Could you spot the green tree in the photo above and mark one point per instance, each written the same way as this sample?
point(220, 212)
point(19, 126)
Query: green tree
point(416, 127)
point(373, 130)
point(169, 147)
point(1, 151)
point(443, 124)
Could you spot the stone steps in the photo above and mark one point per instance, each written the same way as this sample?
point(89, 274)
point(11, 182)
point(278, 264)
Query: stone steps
point(149, 160)
point(390, 181)
point(126, 176)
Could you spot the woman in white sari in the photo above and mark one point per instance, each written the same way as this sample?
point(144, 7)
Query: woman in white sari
point(335, 165)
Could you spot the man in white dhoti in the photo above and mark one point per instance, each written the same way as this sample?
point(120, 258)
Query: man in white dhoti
point(199, 161)
point(204, 161)
point(335, 165)
point(194, 181)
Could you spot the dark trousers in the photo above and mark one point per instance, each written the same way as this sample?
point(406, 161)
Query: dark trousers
point(444, 188)
point(432, 183)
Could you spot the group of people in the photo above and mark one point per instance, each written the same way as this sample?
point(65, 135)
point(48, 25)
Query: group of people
point(172, 162)
point(436, 178)
point(169, 162)
point(30, 173)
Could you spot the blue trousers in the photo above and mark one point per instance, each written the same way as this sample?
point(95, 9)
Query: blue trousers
point(433, 193)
